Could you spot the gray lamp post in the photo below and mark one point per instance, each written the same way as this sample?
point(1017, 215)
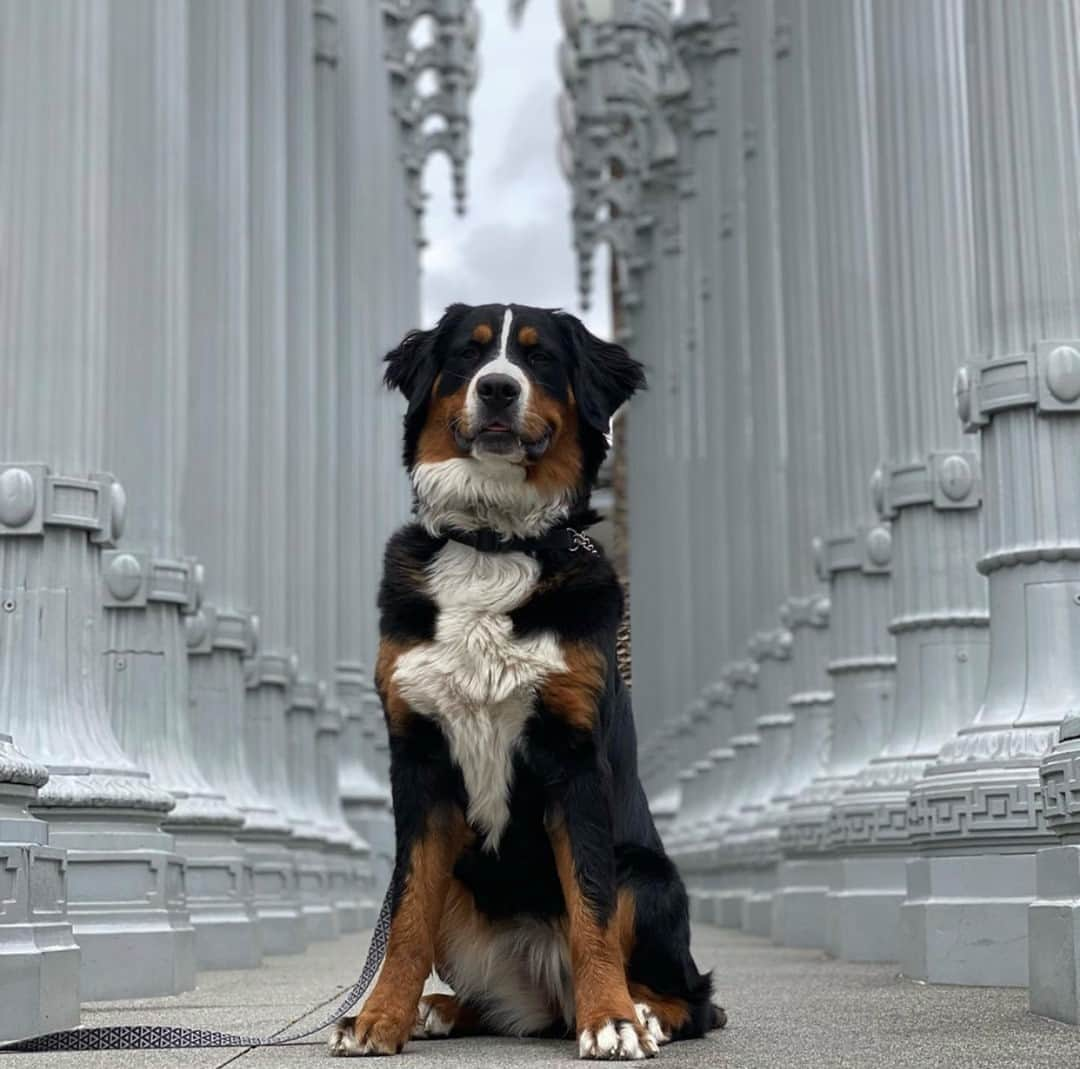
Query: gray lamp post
point(799, 899)
point(38, 955)
point(125, 882)
point(977, 810)
point(928, 488)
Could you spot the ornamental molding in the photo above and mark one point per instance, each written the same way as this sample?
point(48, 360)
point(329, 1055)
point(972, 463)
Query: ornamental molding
point(773, 645)
point(33, 498)
point(16, 767)
point(625, 81)
point(719, 693)
point(102, 790)
point(269, 668)
point(812, 611)
point(964, 804)
point(946, 479)
point(213, 628)
point(430, 86)
point(133, 579)
point(869, 823)
point(867, 549)
point(742, 673)
point(1046, 379)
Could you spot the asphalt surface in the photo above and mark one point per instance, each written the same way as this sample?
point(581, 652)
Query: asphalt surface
point(787, 1008)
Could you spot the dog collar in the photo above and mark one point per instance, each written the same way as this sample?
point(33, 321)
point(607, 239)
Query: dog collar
point(488, 541)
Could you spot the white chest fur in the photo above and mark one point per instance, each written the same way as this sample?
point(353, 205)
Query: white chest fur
point(476, 678)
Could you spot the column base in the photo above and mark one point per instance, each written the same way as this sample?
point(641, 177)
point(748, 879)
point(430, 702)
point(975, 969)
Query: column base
point(862, 907)
point(799, 913)
point(757, 907)
point(1054, 935)
point(126, 902)
point(218, 885)
point(346, 893)
point(701, 905)
point(318, 915)
point(375, 825)
point(39, 960)
point(965, 919)
point(276, 897)
point(729, 889)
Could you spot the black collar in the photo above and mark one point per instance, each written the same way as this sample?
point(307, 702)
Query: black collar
point(488, 541)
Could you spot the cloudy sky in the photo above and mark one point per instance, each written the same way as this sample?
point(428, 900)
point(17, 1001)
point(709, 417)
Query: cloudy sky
point(514, 243)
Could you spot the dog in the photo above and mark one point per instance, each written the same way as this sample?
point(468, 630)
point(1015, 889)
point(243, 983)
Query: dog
point(528, 872)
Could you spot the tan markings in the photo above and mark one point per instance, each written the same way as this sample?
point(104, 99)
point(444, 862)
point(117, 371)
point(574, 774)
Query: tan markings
point(672, 1013)
point(387, 1019)
point(624, 922)
point(573, 695)
point(436, 441)
point(482, 333)
point(460, 916)
point(596, 954)
point(560, 467)
point(528, 336)
point(395, 707)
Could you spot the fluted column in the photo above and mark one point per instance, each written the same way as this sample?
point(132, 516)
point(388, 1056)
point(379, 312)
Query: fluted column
point(125, 883)
point(798, 915)
point(149, 587)
point(702, 578)
point(928, 485)
point(977, 811)
point(38, 954)
point(345, 845)
point(223, 634)
point(303, 527)
point(752, 837)
point(269, 673)
point(365, 503)
point(708, 44)
point(856, 551)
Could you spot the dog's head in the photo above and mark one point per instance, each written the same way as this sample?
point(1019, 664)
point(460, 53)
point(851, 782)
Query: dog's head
point(508, 413)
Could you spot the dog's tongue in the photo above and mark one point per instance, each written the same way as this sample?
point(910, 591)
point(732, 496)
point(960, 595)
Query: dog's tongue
point(496, 427)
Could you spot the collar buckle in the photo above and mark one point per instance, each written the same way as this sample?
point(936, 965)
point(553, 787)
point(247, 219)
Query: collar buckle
point(579, 541)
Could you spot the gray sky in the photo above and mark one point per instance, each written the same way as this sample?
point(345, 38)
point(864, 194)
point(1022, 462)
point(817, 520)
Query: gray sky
point(514, 244)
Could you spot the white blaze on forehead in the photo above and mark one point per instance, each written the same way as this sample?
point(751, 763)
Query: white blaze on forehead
point(504, 338)
point(501, 365)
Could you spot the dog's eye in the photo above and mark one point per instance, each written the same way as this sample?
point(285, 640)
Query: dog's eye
point(538, 357)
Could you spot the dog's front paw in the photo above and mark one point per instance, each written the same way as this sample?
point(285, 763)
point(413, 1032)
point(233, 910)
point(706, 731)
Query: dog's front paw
point(651, 1023)
point(367, 1035)
point(616, 1039)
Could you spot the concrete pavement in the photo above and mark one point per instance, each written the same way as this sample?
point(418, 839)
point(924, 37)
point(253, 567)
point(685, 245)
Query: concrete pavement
point(787, 1008)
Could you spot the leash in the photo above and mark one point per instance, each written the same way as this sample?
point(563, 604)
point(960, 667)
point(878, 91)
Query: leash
point(154, 1037)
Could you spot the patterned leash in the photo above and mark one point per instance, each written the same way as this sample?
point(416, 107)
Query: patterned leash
point(153, 1037)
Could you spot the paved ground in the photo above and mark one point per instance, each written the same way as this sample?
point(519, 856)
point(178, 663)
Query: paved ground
point(789, 1009)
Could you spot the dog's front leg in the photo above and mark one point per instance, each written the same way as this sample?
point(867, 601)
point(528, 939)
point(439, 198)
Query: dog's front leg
point(598, 921)
point(431, 831)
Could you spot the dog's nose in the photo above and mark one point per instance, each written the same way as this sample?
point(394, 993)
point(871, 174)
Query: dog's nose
point(498, 391)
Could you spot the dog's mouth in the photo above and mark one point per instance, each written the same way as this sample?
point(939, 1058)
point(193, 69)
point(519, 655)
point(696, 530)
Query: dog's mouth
point(498, 438)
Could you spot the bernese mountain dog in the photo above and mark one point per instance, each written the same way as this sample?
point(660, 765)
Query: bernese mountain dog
point(528, 871)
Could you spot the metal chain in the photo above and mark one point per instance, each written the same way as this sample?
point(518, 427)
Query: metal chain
point(155, 1037)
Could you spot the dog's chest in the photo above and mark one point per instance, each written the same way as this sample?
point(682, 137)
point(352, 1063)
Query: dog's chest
point(476, 678)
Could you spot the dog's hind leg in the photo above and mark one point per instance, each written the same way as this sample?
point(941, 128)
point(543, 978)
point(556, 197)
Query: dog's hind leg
point(672, 998)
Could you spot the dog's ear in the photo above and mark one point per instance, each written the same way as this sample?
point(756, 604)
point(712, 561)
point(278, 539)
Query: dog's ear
point(605, 374)
point(412, 366)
